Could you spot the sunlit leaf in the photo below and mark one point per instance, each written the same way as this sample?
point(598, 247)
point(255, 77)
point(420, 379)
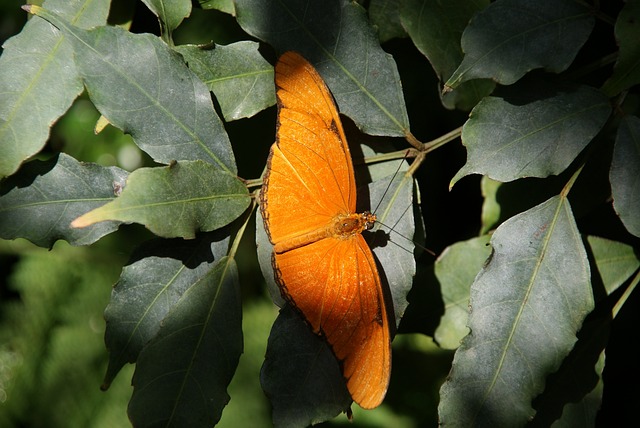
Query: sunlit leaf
point(170, 13)
point(182, 374)
point(225, 6)
point(40, 201)
point(511, 37)
point(491, 208)
point(456, 268)
point(144, 88)
point(362, 77)
point(626, 72)
point(148, 289)
point(527, 305)
point(176, 201)
point(533, 130)
point(436, 29)
point(624, 176)
point(38, 65)
point(238, 75)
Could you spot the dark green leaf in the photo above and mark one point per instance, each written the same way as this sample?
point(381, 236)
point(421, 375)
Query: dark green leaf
point(385, 15)
point(533, 130)
point(169, 12)
point(615, 261)
point(37, 65)
point(149, 287)
point(456, 268)
point(182, 375)
point(436, 28)
point(176, 201)
point(41, 200)
point(264, 251)
point(625, 176)
point(626, 73)
point(511, 37)
point(336, 37)
point(527, 305)
point(240, 78)
point(144, 88)
point(300, 375)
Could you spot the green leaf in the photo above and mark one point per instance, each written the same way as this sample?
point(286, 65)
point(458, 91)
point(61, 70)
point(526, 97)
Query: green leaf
point(300, 375)
point(182, 374)
point(264, 250)
point(626, 72)
point(38, 64)
point(148, 289)
point(573, 394)
point(391, 240)
point(240, 78)
point(170, 13)
point(504, 200)
point(385, 15)
point(533, 130)
point(491, 208)
point(41, 200)
point(336, 37)
point(527, 305)
point(616, 262)
point(456, 268)
point(624, 177)
point(225, 6)
point(176, 201)
point(511, 37)
point(436, 28)
point(144, 88)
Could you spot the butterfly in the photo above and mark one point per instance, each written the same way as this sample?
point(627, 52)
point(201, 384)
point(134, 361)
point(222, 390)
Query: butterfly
point(322, 263)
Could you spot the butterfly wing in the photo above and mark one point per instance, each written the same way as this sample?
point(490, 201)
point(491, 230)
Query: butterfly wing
point(335, 284)
point(310, 175)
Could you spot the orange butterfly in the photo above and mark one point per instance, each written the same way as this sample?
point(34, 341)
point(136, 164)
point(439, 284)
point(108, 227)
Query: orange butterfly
point(321, 261)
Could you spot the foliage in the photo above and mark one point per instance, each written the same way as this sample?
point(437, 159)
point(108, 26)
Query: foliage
point(539, 259)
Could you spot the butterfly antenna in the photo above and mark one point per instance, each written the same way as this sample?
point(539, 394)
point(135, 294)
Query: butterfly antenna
point(391, 229)
point(390, 182)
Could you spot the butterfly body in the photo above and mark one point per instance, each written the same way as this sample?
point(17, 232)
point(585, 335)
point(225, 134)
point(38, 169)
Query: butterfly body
point(343, 226)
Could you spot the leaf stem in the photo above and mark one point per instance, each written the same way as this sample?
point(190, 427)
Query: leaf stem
point(595, 10)
point(240, 233)
point(431, 146)
point(567, 187)
point(254, 182)
point(441, 141)
point(625, 296)
point(413, 140)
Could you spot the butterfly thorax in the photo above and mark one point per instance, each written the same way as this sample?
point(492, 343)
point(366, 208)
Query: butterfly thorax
point(342, 226)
